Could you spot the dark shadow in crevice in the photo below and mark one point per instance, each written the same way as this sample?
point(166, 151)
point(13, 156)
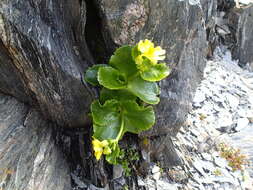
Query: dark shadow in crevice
point(94, 35)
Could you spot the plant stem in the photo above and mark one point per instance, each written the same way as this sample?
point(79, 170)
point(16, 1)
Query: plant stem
point(121, 129)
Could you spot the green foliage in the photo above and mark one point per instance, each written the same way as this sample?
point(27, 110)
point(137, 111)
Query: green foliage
point(155, 72)
point(91, 74)
point(125, 115)
point(128, 84)
point(126, 159)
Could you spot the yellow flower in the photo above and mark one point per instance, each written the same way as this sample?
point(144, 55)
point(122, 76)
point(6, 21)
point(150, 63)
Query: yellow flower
point(148, 50)
point(100, 147)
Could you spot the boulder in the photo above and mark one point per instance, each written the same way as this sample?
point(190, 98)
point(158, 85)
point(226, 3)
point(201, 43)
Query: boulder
point(29, 158)
point(43, 57)
point(242, 22)
point(178, 27)
point(45, 47)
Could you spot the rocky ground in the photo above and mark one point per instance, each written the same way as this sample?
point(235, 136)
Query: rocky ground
point(222, 113)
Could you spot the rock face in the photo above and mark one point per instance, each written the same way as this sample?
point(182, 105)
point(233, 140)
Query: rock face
point(45, 47)
point(29, 159)
point(244, 37)
point(41, 46)
point(178, 27)
point(45, 50)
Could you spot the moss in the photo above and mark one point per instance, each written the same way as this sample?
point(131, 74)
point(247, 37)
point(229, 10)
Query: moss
point(127, 159)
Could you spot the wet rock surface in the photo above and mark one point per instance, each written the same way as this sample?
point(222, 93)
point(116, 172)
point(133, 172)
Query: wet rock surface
point(29, 158)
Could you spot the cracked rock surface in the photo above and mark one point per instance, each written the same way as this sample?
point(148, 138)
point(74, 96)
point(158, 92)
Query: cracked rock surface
point(222, 113)
point(29, 158)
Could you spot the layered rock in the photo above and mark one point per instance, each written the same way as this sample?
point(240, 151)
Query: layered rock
point(178, 27)
point(43, 57)
point(29, 158)
point(244, 30)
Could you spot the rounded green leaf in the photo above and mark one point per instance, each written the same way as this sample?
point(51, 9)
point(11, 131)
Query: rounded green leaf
point(91, 74)
point(137, 118)
point(112, 115)
point(145, 90)
point(111, 78)
point(106, 119)
point(123, 61)
point(156, 72)
point(135, 52)
point(106, 94)
point(106, 113)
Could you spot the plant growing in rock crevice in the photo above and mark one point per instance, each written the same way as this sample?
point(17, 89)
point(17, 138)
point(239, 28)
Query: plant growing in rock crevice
point(128, 84)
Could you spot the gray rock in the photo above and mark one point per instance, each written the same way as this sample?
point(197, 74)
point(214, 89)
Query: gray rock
point(117, 171)
point(221, 162)
point(199, 97)
point(199, 165)
point(207, 156)
point(244, 30)
point(78, 182)
point(177, 27)
point(155, 169)
point(164, 185)
point(241, 123)
point(232, 100)
point(29, 157)
point(41, 60)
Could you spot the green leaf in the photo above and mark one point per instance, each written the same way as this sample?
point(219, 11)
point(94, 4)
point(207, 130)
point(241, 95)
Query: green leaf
point(145, 90)
point(135, 52)
point(106, 94)
point(106, 119)
point(123, 61)
point(111, 78)
point(106, 113)
point(112, 115)
point(156, 72)
point(91, 74)
point(137, 118)
point(112, 158)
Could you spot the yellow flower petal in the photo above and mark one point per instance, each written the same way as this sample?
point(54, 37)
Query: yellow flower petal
point(107, 150)
point(104, 143)
point(144, 46)
point(98, 155)
point(95, 142)
point(98, 148)
point(147, 50)
point(159, 51)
